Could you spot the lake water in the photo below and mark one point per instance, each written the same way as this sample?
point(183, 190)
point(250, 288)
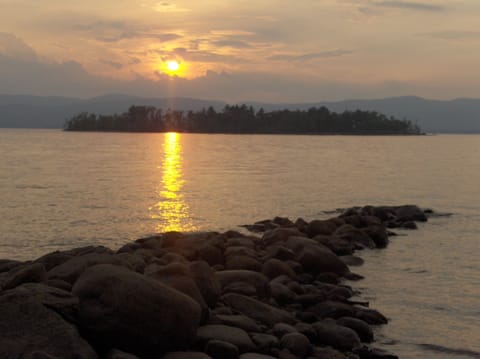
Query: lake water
point(61, 190)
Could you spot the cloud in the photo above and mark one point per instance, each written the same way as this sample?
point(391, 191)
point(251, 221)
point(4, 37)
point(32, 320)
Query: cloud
point(232, 43)
point(452, 35)
point(12, 46)
point(115, 65)
point(410, 5)
point(310, 55)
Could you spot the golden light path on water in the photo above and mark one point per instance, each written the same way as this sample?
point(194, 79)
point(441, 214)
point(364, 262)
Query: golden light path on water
point(171, 210)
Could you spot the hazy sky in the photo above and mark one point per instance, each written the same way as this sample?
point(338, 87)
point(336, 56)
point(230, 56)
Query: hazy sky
point(265, 50)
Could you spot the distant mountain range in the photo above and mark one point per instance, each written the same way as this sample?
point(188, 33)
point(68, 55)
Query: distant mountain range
point(434, 116)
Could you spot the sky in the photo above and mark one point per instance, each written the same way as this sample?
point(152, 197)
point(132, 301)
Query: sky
point(262, 50)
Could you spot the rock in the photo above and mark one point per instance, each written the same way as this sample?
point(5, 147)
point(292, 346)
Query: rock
point(7, 264)
point(326, 353)
point(370, 316)
point(239, 321)
point(255, 356)
point(178, 276)
point(70, 270)
point(273, 268)
point(232, 335)
point(280, 252)
point(354, 235)
point(353, 261)
point(297, 343)
point(32, 325)
point(332, 309)
point(410, 213)
point(258, 280)
point(378, 233)
point(248, 242)
point(337, 336)
point(257, 310)
point(30, 273)
point(408, 225)
point(241, 288)
point(219, 349)
point(281, 293)
point(337, 245)
point(123, 309)
point(210, 254)
point(280, 329)
point(363, 330)
point(373, 353)
point(280, 235)
point(118, 354)
point(264, 342)
point(242, 262)
point(316, 260)
point(186, 355)
point(60, 284)
point(236, 251)
point(206, 281)
point(134, 262)
point(307, 330)
point(296, 244)
point(326, 227)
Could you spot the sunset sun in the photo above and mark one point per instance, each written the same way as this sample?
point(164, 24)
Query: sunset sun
point(173, 66)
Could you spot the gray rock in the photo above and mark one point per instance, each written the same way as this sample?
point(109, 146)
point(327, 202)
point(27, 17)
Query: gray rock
point(325, 227)
point(332, 309)
point(378, 233)
point(7, 264)
point(235, 336)
point(410, 213)
point(326, 353)
point(280, 252)
point(210, 254)
point(354, 235)
point(273, 268)
point(31, 328)
point(265, 342)
point(206, 281)
point(280, 329)
point(370, 316)
point(219, 349)
point(255, 356)
point(242, 262)
point(118, 354)
point(125, 310)
point(353, 261)
point(239, 321)
point(280, 235)
point(257, 310)
point(281, 293)
point(296, 343)
point(134, 262)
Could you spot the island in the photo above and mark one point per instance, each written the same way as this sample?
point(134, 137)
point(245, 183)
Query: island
point(243, 119)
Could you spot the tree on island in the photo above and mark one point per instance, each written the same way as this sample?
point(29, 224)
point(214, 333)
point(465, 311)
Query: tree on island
point(244, 119)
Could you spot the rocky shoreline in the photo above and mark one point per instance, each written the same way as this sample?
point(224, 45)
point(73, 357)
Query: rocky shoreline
point(279, 293)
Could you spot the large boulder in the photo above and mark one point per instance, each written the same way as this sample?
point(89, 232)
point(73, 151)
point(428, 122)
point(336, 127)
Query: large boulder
point(325, 227)
point(206, 281)
point(410, 213)
point(354, 235)
point(123, 309)
point(362, 329)
point(32, 324)
point(280, 235)
point(262, 312)
point(273, 268)
point(30, 273)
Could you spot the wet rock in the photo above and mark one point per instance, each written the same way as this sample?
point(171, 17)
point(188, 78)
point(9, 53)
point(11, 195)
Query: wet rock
point(280, 252)
point(125, 310)
point(241, 288)
point(6, 265)
point(370, 316)
point(134, 262)
point(219, 349)
point(297, 244)
point(255, 356)
point(307, 330)
point(257, 310)
point(362, 329)
point(280, 329)
point(354, 235)
point(337, 336)
point(281, 293)
point(332, 309)
point(296, 343)
point(210, 254)
point(248, 242)
point(28, 324)
point(337, 245)
point(378, 233)
point(232, 335)
point(258, 280)
point(410, 213)
point(30, 273)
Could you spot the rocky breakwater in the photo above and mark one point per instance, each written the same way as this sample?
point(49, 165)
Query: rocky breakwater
point(202, 295)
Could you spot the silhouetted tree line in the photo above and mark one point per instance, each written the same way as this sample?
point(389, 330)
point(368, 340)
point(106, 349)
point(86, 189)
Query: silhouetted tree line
point(243, 119)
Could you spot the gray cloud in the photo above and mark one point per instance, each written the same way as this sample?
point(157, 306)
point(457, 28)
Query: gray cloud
point(453, 35)
point(115, 65)
point(232, 43)
point(310, 55)
point(409, 5)
point(10, 45)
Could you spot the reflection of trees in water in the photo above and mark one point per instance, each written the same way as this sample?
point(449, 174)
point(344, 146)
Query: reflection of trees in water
point(171, 210)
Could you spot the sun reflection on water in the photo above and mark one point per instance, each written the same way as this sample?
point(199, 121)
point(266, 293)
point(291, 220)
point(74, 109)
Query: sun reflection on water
point(172, 211)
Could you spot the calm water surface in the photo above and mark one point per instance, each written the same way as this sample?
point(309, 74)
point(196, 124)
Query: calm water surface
point(61, 190)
